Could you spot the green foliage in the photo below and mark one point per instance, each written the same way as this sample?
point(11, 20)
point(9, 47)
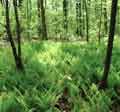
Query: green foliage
point(55, 20)
point(49, 68)
point(8, 103)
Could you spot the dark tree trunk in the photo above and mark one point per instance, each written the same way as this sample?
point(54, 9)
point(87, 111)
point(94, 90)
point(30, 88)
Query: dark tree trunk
point(2, 2)
point(9, 33)
point(28, 17)
point(65, 14)
point(20, 3)
point(39, 19)
point(44, 28)
point(100, 22)
point(103, 83)
point(8, 29)
point(18, 32)
point(79, 19)
point(87, 21)
point(105, 17)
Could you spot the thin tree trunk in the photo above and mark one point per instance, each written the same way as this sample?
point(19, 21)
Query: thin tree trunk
point(80, 19)
point(87, 21)
point(65, 14)
point(84, 18)
point(103, 83)
point(105, 17)
point(44, 28)
point(100, 23)
point(39, 19)
point(28, 16)
point(18, 32)
point(8, 29)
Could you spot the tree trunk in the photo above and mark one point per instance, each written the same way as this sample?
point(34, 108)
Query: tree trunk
point(18, 32)
point(87, 21)
point(39, 19)
point(65, 14)
point(103, 83)
point(105, 17)
point(44, 28)
point(28, 17)
point(100, 23)
point(8, 29)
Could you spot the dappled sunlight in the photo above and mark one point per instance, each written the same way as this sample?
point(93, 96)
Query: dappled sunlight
point(59, 56)
point(50, 54)
point(50, 67)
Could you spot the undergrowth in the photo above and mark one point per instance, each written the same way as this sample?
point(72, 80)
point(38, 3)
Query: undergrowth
point(49, 68)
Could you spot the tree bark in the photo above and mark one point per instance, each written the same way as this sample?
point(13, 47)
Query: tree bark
point(39, 19)
point(18, 32)
point(105, 17)
point(103, 83)
point(87, 21)
point(9, 34)
point(100, 22)
point(44, 28)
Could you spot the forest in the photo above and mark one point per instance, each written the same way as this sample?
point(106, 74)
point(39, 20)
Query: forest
point(59, 56)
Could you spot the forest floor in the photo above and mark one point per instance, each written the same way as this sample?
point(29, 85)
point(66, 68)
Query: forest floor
point(59, 76)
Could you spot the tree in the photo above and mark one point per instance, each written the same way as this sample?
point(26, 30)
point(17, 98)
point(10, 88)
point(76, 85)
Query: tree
point(100, 21)
point(87, 21)
point(18, 32)
point(79, 18)
point(103, 83)
point(39, 19)
point(105, 16)
point(18, 62)
point(65, 15)
point(28, 15)
point(20, 3)
point(44, 27)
